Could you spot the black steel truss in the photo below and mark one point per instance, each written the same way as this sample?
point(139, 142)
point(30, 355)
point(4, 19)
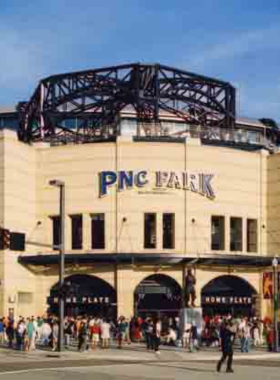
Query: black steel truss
point(92, 101)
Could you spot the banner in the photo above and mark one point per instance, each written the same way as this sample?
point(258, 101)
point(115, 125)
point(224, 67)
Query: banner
point(268, 285)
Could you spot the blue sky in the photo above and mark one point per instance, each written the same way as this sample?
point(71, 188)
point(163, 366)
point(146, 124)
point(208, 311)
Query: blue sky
point(234, 40)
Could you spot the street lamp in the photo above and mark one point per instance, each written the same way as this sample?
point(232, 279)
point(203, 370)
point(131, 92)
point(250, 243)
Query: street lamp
point(275, 294)
point(61, 185)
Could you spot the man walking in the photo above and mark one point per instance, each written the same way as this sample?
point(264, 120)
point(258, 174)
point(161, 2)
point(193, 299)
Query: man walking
point(227, 340)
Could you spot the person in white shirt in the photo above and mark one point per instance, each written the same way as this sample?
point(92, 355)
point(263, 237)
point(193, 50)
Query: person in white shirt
point(46, 332)
point(187, 335)
point(105, 333)
point(156, 335)
point(171, 336)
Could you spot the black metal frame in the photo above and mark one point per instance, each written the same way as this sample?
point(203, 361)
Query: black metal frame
point(228, 261)
point(96, 97)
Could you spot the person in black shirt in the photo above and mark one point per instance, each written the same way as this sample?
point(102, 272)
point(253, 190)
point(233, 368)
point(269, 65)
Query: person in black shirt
point(227, 340)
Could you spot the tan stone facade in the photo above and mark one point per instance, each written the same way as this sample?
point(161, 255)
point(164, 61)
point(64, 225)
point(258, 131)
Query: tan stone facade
point(246, 185)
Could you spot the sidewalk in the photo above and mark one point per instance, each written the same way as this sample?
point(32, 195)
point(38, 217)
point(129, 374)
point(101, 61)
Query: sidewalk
point(129, 353)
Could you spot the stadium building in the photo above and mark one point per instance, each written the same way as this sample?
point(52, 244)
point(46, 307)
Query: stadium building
point(160, 176)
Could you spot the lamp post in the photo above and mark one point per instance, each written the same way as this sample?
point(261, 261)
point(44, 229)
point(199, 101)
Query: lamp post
point(275, 297)
point(61, 185)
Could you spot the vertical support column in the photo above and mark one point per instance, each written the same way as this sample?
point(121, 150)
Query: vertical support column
point(87, 232)
point(116, 287)
point(125, 292)
point(183, 285)
point(198, 288)
point(61, 265)
point(42, 120)
point(159, 231)
point(227, 233)
point(275, 297)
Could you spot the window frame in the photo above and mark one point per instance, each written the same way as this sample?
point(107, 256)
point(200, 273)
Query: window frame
point(173, 230)
point(223, 241)
point(55, 245)
point(79, 233)
point(150, 245)
point(231, 242)
point(248, 244)
point(103, 245)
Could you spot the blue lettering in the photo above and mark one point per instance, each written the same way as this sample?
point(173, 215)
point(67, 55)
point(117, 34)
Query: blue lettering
point(125, 180)
point(106, 179)
point(141, 178)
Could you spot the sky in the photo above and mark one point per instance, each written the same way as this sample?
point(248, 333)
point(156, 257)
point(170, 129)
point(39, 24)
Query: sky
point(234, 40)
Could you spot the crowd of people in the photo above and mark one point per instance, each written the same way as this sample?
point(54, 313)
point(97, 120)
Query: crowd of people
point(251, 331)
point(87, 332)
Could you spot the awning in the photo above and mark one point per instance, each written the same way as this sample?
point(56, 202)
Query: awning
point(218, 260)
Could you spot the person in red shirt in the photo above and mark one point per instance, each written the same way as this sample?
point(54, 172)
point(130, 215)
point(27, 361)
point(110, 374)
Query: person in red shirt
point(95, 333)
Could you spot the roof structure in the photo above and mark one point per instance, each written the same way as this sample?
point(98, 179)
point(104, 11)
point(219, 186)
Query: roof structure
point(96, 97)
point(226, 260)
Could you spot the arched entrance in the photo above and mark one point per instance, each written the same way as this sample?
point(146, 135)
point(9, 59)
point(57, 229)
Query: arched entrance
point(158, 294)
point(85, 295)
point(228, 294)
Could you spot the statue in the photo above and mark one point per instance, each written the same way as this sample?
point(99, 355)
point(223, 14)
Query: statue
point(190, 288)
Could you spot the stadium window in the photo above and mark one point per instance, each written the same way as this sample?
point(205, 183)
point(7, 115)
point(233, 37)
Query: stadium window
point(168, 225)
point(218, 233)
point(236, 234)
point(70, 123)
point(10, 123)
point(128, 127)
point(252, 235)
point(55, 231)
point(77, 231)
point(150, 237)
point(97, 231)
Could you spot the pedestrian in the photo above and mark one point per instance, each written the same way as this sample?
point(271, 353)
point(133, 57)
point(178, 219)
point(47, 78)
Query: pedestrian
point(269, 338)
point(31, 333)
point(148, 330)
point(186, 336)
point(193, 338)
point(256, 334)
point(10, 331)
point(227, 340)
point(46, 332)
point(245, 338)
point(105, 333)
point(2, 332)
point(82, 336)
point(55, 332)
point(95, 333)
point(121, 331)
point(156, 335)
point(21, 335)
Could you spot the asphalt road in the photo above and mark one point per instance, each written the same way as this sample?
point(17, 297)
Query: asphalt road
point(156, 369)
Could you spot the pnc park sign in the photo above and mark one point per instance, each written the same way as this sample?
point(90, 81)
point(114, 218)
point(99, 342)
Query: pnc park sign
point(159, 180)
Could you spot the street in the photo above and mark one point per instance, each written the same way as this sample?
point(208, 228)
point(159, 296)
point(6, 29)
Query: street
point(151, 370)
point(133, 363)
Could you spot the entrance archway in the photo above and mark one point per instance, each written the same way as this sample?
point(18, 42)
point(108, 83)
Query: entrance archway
point(85, 294)
point(228, 295)
point(158, 294)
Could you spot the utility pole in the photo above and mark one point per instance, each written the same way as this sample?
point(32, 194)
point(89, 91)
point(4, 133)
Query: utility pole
point(275, 297)
point(61, 186)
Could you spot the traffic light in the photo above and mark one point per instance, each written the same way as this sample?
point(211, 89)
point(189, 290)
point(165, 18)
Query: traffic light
point(17, 241)
point(4, 238)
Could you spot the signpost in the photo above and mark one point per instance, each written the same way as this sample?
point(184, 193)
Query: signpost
point(275, 294)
